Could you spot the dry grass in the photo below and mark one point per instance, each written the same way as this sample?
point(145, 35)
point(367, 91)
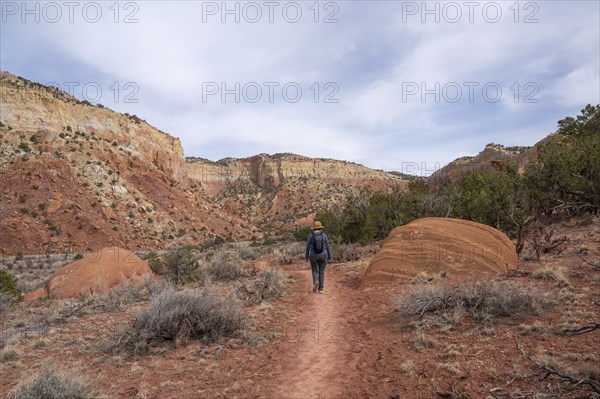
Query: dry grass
point(50, 383)
point(409, 368)
point(452, 368)
point(10, 353)
point(421, 341)
point(553, 273)
point(439, 304)
point(528, 329)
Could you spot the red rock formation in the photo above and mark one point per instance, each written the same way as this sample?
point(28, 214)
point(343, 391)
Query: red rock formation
point(437, 245)
point(96, 273)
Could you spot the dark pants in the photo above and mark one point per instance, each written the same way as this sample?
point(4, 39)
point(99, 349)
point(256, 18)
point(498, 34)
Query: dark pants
point(318, 264)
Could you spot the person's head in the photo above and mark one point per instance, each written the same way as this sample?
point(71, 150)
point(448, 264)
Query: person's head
point(317, 226)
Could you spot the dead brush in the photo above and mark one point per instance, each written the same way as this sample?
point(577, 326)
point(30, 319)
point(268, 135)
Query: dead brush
point(553, 273)
point(179, 316)
point(578, 373)
point(347, 252)
point(269, 284)
point(440, 305)
point(50, 382)
point(288, 253)
point(225, 266)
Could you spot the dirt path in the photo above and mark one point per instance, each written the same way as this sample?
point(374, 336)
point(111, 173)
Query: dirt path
point(317, 344)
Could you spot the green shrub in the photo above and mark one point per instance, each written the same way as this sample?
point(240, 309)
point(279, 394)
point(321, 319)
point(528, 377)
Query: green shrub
point(178, 317)
point(156, 263)
point(52, 384)
point(9, 285)
point(180, 265)
point(24, 146)
point(301, 233)
point(78, 256)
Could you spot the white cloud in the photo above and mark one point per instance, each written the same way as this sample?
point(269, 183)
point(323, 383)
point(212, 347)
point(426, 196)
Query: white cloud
point(371, 54)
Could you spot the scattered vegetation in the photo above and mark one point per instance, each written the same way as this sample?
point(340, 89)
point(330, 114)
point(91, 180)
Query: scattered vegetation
point(24, 146)
point(225, 266)
point(178, 317)
point(50, 383)
point(563, 180)
point(441, 305)
point(9, 290)
point(269, 284)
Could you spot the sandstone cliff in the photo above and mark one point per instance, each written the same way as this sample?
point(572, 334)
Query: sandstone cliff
point(30, 107)
point(271, 171)
point(79, 177)
point(274, 191)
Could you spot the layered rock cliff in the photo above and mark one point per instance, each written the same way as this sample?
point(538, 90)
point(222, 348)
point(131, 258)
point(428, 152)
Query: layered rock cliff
point(79, 177)
point(274, 191)
point(271, 171)
point(34, 108)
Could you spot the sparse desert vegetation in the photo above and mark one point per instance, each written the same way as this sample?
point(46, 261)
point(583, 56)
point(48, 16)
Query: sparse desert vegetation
point(441, 304)
point(179, 316)
point(50, 383)
point(225, 306)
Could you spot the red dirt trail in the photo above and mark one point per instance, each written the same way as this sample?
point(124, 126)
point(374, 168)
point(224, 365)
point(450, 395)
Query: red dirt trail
point(315, 371)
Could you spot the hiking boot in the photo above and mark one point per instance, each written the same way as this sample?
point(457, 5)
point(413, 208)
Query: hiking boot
point(315, 287)
point(320, 291)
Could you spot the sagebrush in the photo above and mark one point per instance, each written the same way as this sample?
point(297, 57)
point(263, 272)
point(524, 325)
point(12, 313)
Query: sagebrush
point(52, 384)
point(441, 304)
point(179, 316)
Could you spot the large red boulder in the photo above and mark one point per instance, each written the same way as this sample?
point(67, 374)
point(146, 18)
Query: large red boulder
point(436, 245)
point(96, 273)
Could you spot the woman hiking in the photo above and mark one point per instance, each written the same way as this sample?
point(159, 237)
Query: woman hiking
point(318, 253)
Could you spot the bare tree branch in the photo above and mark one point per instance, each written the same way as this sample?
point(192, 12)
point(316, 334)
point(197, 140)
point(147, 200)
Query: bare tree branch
point(583, 330)
point(553, 372)
point(597, 266)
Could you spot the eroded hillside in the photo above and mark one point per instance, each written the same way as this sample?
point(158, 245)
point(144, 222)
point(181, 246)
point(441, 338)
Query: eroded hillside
point(79, 177)
point(274, 191)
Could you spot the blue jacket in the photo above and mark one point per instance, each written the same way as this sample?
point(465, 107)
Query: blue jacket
point(310, 254)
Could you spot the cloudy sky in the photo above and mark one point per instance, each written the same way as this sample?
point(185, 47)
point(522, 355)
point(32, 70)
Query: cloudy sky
point(395, 85)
